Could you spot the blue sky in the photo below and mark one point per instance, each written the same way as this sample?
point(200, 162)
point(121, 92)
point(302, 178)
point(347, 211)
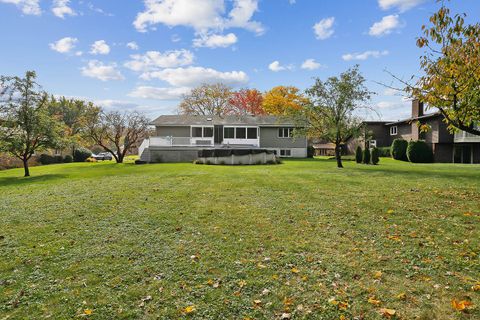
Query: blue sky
point(144, 54)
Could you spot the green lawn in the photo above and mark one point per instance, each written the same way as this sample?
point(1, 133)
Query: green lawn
point(303, 239)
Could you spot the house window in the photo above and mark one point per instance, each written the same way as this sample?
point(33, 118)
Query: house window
point(207, 132)
point(285, 153)
point(285, 132)
point(229, 133)
point(251, 133)
point(197, 132)
point(202, 132)
point(241, 133)
point(372, 143)
point(393, 131)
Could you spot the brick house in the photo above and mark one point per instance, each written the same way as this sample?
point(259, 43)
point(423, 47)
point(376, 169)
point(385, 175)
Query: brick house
point(460, 147)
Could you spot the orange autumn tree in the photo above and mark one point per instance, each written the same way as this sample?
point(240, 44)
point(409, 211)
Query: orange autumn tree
point(247, 101)
point(283, 100)
point(451, 70)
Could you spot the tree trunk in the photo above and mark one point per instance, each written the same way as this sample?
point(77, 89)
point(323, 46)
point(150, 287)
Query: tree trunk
point(338, 155)
point(120, 157)
point(25, 167)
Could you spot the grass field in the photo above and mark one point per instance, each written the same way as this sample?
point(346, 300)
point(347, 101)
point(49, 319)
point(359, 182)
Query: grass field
point(301, 240)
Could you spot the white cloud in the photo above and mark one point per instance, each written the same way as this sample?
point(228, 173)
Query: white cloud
point(364, 55)
point(193, 76)
point(29, 7)
point(385, 26)
point(310, 64)
point(101, 71)
point(324, 28)
point(203, 16)
point(215, 40)
point(154, 61)
point(61, 8)
point(133, 45)
point(275, 66)
point(241, 15)
point(402, 5)
point(146, 92)
point(100, 47)
point(64, 45)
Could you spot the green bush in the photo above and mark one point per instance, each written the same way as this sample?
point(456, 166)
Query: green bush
point(58, 159)
point(81, 154)
point(375, 156)
point(366, 156)
point(358, 155)
point(310, 151)
point(384, 152)
point(46, 159)
point(68, 159)
point(419, 152)
point(399, 149)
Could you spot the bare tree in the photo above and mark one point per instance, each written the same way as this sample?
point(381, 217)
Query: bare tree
point(117, 132)
point(207, 100)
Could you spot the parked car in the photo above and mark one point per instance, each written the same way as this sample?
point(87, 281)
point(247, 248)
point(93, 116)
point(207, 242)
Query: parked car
point(103, 156)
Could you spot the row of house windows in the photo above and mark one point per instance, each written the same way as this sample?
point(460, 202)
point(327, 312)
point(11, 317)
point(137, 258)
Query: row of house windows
point(240, 133)
point(237, 132)
point(285, 132)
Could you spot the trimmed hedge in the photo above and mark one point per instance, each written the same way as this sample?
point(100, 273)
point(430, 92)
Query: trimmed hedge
point(46, 159)
point(358, 155)
point(68, 159)
point(375, 156)
point(419, 152)
point(384, 152)
point(81, 154)
point(366, 156)
point(399, 149)
point(310, 152)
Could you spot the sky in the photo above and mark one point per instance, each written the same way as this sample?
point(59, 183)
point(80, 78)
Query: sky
point(144, 54)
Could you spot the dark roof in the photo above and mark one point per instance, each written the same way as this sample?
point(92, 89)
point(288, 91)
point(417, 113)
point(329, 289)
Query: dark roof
point(427, 116)
point(188, 120)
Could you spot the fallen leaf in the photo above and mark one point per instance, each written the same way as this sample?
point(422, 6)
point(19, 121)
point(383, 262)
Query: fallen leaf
point(242, 283)
point(285, 316)
point(377, 275)
point(401, 296)
point(343, 305)
point(476, 286)
point(295, 270)
point(189, 309)
point(387, 312)
point(390, 211)
point(87, 312)
point(374, 301)
point(461, 305)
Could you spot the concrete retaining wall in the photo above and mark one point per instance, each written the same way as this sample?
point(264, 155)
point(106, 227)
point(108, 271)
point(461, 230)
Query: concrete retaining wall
point(250, 159)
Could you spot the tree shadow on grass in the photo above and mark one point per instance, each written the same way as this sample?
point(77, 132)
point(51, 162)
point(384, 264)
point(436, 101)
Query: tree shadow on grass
point(18, 181)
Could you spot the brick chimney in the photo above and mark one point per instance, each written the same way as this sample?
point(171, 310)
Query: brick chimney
point(417, 108)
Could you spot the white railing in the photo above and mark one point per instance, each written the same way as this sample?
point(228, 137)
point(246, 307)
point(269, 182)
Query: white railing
point(179, 142)
point(463, 136)
point(246, 142)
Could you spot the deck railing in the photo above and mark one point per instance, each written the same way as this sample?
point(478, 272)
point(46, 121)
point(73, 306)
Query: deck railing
point(179, 142)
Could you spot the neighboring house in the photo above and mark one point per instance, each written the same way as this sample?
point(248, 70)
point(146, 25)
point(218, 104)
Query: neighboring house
point(178, 138)
point(447, 147)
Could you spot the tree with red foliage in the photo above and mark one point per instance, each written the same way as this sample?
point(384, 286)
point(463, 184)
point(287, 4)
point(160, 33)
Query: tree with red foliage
point(247, 101)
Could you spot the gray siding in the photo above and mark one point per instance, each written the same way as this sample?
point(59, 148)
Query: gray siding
point(269, 139)
point(173, 131)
